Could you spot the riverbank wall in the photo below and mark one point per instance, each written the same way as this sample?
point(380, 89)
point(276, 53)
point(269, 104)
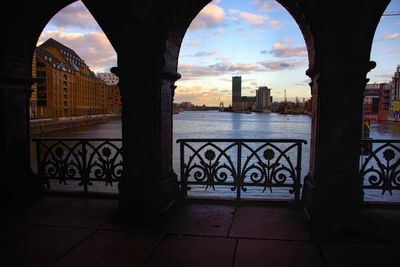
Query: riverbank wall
point(42, 126)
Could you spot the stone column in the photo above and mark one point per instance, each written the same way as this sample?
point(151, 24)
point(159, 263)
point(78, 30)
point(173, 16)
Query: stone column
point(17, 180)
point(332, 191)
point(148, 186)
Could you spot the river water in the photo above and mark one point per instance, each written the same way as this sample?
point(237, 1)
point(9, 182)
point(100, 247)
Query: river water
point(215, 124)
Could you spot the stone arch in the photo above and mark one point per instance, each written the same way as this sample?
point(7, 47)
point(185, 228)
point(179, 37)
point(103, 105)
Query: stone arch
point(22, 23)
point(186, 13)
point(339, 58)
point(338, 35)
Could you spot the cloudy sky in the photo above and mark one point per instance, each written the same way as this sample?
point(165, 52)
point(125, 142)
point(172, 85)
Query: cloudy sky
point(255, 39)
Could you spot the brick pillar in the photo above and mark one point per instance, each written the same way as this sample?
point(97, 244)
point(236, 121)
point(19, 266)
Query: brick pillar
point(332, 192)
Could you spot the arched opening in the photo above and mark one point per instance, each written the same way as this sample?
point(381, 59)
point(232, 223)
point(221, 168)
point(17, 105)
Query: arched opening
point(243, 77)
point(343, 36)
point(381, 112)
point(75, 107)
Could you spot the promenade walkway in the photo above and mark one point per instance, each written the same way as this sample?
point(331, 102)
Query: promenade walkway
point(70, 231)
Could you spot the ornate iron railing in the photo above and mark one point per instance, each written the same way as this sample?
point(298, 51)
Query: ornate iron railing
point(236, 164)
point(240, 164)
point(380, 165)
point(82, 160)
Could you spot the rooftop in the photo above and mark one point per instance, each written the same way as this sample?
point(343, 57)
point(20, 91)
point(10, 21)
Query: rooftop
point(72, 231)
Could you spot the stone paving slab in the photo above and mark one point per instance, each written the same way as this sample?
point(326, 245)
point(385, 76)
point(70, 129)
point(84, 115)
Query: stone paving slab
point(355, 236)
point(381, 223)
point(40, 209)
point(44, 245)
point(276, 253)
point(201, 219)
point(83, 213)
point(352, 254)
point(111, 248)
point(65, 231)
point(190, 219)
point(269, 223)
point(193, 251)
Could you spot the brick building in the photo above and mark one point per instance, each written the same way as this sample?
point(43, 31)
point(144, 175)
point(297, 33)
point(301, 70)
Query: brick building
point(67, 87)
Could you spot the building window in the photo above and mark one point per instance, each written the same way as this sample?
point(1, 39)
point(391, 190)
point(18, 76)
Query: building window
point(41, 95)
point(41, 74)
point(40, 64)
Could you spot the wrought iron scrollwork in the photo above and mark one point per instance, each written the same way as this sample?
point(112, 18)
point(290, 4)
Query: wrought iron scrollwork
point(240, 164)
point(210, 165)
point(83, 160)
point(272, 168)
point(380, 165)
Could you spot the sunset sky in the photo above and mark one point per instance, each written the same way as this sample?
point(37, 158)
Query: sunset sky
point(255, 39)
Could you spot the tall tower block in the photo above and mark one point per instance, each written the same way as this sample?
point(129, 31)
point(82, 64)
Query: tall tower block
point(236, 92)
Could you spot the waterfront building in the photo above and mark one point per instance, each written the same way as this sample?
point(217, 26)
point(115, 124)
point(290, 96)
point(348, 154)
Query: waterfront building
point(113, 102)
point(263, 99)
point(376, 101)
point(112, 93)
point(394, 110)
point(67, 87)
point(236, 92)
point(371, 102)
point(247, 103)
point(239, 102)
point(33, 98)
point(108, 77)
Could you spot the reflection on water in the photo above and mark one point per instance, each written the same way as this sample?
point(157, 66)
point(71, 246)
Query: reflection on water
point(385, 130)
point(109, 129)
point(214, 124)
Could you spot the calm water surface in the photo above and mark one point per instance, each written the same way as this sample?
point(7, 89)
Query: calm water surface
point(215, 124)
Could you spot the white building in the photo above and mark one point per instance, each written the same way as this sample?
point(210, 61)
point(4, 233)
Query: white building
point(109, 78)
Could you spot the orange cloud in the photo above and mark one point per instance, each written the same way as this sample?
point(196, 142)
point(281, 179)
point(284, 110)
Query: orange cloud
point(254, 19)
point(199, 95)
point(286, 50)
point(93, 47)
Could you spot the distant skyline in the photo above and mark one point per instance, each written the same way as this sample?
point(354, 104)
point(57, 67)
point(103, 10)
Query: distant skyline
point(255, 39)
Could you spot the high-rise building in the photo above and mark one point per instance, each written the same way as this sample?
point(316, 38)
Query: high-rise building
point(66, 86)
point(236, 92)
point(263, 99)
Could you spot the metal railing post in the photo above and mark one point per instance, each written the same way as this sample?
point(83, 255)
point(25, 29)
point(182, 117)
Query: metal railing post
point(39, 164)
point(182, 167)
point(238, 178)
point(85, 173)
point(297, 183)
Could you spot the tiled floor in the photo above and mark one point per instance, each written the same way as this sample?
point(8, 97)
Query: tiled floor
point(62, 231)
